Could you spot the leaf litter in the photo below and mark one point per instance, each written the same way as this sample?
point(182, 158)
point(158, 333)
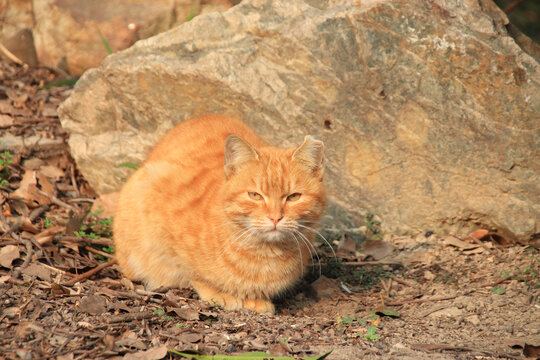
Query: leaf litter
point(62, 295)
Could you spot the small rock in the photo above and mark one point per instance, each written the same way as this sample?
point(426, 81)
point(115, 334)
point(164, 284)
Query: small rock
point(450, 312)
point(473, 319)
point(470, 306)
point(428, 275)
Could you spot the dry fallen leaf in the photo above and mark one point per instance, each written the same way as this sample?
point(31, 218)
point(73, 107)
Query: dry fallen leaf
point(29, 191)
point(346, 247)
point(93, 305)
point(185, 314)
point(325, 287)
point(39, 271)
point(8, 253)
point(5, 121)
point(155, 353)
point(484, 235)
point(452, 241)
point(51, 172)
point(377, 249)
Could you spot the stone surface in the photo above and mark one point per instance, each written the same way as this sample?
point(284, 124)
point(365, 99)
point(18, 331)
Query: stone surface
point(429, 110)
point(67, 32)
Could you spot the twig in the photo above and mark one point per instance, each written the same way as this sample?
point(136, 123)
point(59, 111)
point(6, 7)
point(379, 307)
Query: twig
point(508, 8)
point(88, 200)
point(74, 181)
point(359, 263)
point(37, 212)
point(417, 301)
point(89, 273)
point(76, 239)
point(478, 242)
point(497, 282)
point(130, 317)
point(29, 253)
point(57, 201)
point(404, 282)
point(10, 55)
point(96, 251)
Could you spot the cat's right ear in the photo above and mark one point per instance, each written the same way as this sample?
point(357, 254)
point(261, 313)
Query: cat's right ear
point(237, 152)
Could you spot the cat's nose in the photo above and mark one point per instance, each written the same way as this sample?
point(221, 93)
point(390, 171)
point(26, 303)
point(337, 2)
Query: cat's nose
point(275, 220)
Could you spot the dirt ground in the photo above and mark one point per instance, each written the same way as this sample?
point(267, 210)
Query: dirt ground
point(63, 297)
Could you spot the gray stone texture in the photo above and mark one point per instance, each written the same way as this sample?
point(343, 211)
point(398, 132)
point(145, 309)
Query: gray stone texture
point(429, 110)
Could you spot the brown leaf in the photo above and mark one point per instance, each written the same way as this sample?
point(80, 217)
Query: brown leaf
point(51, 172)
point(452, 241)
point(28, 190)
point(93, 305)
point(155, 353)
point(185, 314)
point(188, 337)
point(484, 235)
point(8, 253)
point(47, 235)
point(39, 271)
point(16, 96)
point(5, 107)
point(479, 234)
point(346, 247)
point(325, 287)
point(59, 290)
point(5, 121)
point(377, 249)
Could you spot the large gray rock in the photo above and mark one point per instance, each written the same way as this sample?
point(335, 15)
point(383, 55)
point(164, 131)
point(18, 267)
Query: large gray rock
point(429, 110)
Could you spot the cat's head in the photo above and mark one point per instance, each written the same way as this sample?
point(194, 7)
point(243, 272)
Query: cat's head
point(272, 193)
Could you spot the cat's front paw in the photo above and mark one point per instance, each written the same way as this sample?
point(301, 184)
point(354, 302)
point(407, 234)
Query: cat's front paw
point(260, 305)
point(225, 301)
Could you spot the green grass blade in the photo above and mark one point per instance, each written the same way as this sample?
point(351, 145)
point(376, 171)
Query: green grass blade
point(105, 42)
point(128, 165)
point(63, 82)
point(245, 356)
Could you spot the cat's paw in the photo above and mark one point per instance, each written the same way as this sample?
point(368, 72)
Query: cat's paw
point(226, 301)
point(260, 305)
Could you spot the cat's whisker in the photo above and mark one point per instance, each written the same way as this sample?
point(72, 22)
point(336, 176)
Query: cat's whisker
point(318, 233)
point(246, 231)
point(299, 252)
point(309, 245)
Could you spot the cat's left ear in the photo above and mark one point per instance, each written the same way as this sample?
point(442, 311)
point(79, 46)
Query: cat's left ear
point(311, 154)
point(237, 152)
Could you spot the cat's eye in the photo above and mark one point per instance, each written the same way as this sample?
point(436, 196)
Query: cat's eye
point(255, 196)
point(294, 197)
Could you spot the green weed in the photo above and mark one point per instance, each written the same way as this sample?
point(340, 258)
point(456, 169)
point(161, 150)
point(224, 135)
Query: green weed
point(373, 227)
point(96, 227)
point(5, 159)
point(371, 334)
point(47, 222)
point(159, 312)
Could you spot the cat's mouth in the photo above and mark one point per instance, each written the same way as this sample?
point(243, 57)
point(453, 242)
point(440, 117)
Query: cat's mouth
point(274, 234)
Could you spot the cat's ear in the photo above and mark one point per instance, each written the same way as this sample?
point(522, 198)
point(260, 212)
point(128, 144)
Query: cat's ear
point(237, 152)
point(311, 154)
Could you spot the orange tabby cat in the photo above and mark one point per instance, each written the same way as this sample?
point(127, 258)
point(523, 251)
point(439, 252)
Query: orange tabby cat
point(217, 208)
